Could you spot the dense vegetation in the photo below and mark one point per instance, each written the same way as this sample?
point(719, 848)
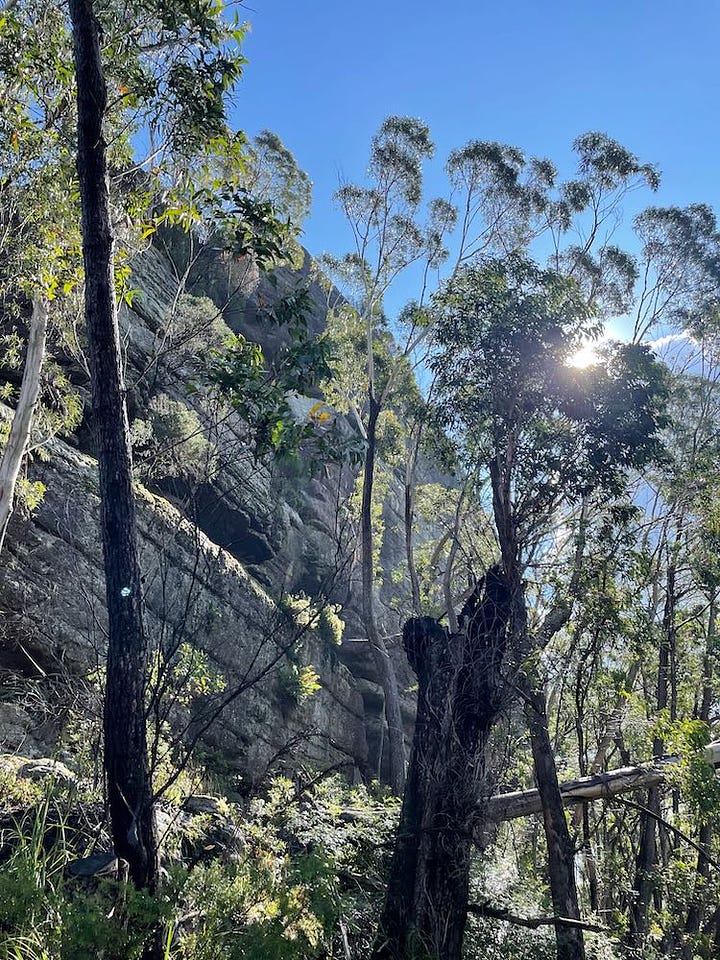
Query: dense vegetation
point(559, 589)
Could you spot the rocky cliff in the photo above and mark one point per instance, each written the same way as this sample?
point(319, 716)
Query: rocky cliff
point(223, 551)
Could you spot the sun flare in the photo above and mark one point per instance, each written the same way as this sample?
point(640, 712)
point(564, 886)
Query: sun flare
point(586, 356)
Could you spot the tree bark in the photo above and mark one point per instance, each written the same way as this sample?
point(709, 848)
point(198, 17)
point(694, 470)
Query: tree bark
point(459, 698)
point(698, 905)
point(410, 466)
point(645, 864)
point(126, 759)
point(560, 845)
point(647, 858)
point(19, 436)
point(383, 663)
point(561, 852)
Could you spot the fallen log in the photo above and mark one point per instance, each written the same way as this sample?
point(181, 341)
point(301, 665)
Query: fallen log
point(524, 803)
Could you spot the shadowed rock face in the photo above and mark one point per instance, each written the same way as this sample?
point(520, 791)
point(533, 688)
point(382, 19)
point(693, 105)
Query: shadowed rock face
point(215, 562)
point(53, 623)
point(225, 520)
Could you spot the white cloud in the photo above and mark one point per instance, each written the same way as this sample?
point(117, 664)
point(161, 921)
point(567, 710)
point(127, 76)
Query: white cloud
point(669, 338)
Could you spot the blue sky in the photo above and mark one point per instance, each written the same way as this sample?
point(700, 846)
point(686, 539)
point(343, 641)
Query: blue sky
point(324, 74)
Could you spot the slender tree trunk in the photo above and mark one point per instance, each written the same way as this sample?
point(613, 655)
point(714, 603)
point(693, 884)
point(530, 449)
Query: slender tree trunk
point(561, 852)
point(126, 759)
point(12, 455)
point(560, 846)
point(647, 858)
point(645, 865)
point(612, 724)
point(459, 699)
point(410, 466)
point(589, 861)
point(693, 921)
point(383, 663)
point(698, 906)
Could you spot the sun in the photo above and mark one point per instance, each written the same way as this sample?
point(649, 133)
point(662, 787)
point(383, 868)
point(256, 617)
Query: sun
point(586, 356)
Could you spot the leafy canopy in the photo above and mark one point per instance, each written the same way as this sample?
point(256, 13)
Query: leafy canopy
point(505, 331)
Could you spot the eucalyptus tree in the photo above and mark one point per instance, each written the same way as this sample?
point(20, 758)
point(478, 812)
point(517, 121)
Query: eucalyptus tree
point(671, 286)
point(148, 145)
point(20, 426)
point(642, 659)
point(272, 173)
point(676, 654)
point(499, 195)
point(548, 437)
point(507, 203)
point(169, 65)
point(678, 285)
point(39, 233)
point(389, 236)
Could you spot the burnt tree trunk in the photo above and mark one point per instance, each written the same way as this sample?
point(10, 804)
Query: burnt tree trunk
point(126, 758)
point(459, 698)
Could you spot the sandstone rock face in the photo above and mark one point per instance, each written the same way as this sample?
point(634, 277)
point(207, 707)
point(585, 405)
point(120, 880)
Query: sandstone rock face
point(16, 724)
point(53, 624)
point(218, 557)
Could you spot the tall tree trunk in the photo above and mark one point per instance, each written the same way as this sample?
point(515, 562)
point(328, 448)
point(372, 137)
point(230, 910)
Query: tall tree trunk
point(19, 436)
point(410, 467)
point(459, 698)
point(560, 846)
point(126, 758)
point(381, 657)
point(645, 865)
point(647, 858)
point(696, 911)
point(561, 852)
point(704, 869)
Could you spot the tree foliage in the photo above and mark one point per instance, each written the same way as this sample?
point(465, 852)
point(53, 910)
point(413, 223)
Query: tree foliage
point(506, 330)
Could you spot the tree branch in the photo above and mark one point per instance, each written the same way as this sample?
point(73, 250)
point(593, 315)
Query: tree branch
point(501, 913)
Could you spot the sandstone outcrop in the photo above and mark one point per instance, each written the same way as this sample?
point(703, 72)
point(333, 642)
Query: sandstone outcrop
point(219, 556)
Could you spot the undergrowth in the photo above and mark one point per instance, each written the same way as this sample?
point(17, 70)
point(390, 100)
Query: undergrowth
point(302, 880)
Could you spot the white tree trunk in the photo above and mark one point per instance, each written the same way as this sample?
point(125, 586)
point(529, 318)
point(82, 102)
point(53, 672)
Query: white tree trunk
point(12, 455)
point(524, 803)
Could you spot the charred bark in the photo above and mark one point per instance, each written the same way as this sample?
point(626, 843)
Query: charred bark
point(126, 760)
point(460, 695)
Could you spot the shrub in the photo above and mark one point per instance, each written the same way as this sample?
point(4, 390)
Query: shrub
point(171, 443)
